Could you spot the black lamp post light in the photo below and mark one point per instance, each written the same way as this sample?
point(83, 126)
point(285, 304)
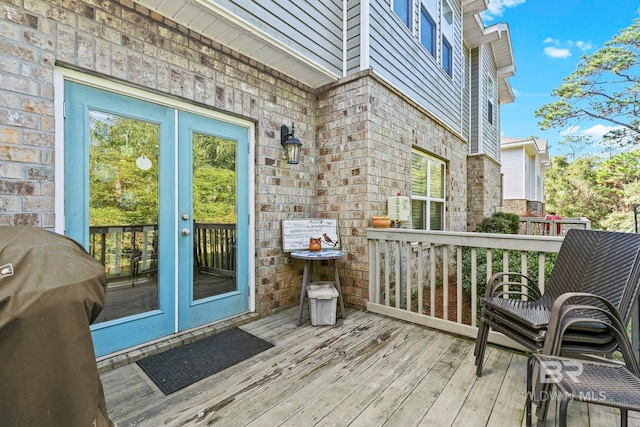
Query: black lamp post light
point(291, 144)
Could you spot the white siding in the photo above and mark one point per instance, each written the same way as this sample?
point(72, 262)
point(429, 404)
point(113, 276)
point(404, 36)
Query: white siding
point(530, 183)
point(512, 168)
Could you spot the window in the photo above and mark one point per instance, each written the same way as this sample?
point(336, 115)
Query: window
point(402, 8)
point(447, 60)
point(447, 38)
point(427, 30)
point(490, 112)
point(491, 98)
point(436, 30)
point(427, 192)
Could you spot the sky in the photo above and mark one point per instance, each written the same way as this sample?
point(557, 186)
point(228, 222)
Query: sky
point(548, 38)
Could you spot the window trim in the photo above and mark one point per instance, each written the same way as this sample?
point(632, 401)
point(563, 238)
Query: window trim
point(491, 97)
point(409, 12)
point(428, 199)
point(425, 13)
point(447, 60)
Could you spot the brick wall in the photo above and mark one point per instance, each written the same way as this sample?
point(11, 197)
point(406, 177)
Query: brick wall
point(483, 196)
point(128, 43)
point(366, 132)
point(357, 134)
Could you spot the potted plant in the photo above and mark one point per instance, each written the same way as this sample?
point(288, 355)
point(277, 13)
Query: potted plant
point(380, 221)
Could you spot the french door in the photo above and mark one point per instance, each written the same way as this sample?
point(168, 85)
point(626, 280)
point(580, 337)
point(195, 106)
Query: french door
point(160, 197)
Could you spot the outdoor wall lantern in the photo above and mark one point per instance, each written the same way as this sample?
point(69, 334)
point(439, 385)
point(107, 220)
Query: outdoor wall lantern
point(291, 144)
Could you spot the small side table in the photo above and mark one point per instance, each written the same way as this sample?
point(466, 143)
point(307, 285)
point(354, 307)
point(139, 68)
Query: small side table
point(309, 257)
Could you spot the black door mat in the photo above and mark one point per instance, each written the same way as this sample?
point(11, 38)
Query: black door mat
point(177, 368)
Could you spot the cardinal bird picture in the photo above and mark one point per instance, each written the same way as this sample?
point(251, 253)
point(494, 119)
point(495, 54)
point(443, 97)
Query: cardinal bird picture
point(328, 240)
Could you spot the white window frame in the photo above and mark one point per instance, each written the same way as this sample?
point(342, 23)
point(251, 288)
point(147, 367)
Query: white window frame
point(409, 12)
point(441, 14)
point(427, 199)
point(446, 26)
point(430, 7)
point(491, 99)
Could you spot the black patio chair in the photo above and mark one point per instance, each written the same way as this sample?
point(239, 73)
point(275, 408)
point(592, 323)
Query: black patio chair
point(602, 263)
point(605, 382)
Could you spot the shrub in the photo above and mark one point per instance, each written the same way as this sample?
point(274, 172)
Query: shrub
point(500, 222)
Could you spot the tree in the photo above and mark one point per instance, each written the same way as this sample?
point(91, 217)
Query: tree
point(604, 86)
point(570, 189)
point(604, 191)
point(576, 144)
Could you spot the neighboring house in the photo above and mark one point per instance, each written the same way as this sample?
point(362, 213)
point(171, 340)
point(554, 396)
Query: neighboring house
point(165, 110)
point(524, 163)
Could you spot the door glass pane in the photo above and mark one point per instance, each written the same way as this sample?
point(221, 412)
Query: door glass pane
point(123, 211)
point(214, 215)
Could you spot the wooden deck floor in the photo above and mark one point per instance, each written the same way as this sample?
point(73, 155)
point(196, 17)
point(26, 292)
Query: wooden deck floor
point(367, 370)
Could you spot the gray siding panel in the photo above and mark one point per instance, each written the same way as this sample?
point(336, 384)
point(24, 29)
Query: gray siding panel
point(397, 55)
point(490, 131)
point(475, 100)
point(313, 29)
point(354, 28)
point(466, 95)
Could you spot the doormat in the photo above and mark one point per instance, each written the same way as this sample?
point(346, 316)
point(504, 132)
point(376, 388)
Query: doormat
point(177, 368)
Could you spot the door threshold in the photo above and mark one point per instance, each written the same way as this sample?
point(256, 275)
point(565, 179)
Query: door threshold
point(118, 359)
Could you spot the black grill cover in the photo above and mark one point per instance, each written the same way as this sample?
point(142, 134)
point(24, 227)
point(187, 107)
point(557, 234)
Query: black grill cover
point(51, 290)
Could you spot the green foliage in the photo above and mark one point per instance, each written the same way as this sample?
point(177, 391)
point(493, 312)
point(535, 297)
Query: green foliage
point(122, 193)
point(214, 179)
point(500, 222)
point(604, 86)
point(514, 263)
point(603, 191)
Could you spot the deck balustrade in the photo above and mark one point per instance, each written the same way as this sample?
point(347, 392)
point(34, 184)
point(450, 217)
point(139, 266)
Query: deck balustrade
point(131, 251)
point(436, 278)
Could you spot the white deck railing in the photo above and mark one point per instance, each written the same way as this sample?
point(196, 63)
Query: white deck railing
point(412, 274)
point(418, 275)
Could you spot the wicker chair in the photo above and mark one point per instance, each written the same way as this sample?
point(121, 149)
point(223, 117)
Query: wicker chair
point(607, 383)
point(605, 264)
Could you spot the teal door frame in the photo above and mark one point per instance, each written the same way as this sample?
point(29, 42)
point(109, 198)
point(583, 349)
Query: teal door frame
point(176, 311)
point(193, 312)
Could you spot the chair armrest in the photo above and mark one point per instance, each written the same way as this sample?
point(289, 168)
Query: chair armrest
point(530, 285)
point(560, 321)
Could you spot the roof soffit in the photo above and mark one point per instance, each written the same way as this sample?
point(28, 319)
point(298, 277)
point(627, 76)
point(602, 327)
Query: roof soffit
point(210, 19)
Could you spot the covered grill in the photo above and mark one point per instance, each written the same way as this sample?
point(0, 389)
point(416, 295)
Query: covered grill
point(51, 290)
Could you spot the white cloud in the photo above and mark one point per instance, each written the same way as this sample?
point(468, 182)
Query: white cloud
point(583, 46)
point(496, 8)
point(555, 52)
point(563, 49)
point(596, 132)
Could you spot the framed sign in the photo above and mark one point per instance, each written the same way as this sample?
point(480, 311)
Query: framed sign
point(297, 232)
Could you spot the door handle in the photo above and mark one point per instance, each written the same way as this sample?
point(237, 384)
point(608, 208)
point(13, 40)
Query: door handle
point(186, 231)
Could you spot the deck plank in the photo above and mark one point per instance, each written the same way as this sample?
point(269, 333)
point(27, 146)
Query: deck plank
point(432, 382)
point(484, 392)
point(320, 396)
point(510, 403)
point(357, 394)
point(367, 370)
